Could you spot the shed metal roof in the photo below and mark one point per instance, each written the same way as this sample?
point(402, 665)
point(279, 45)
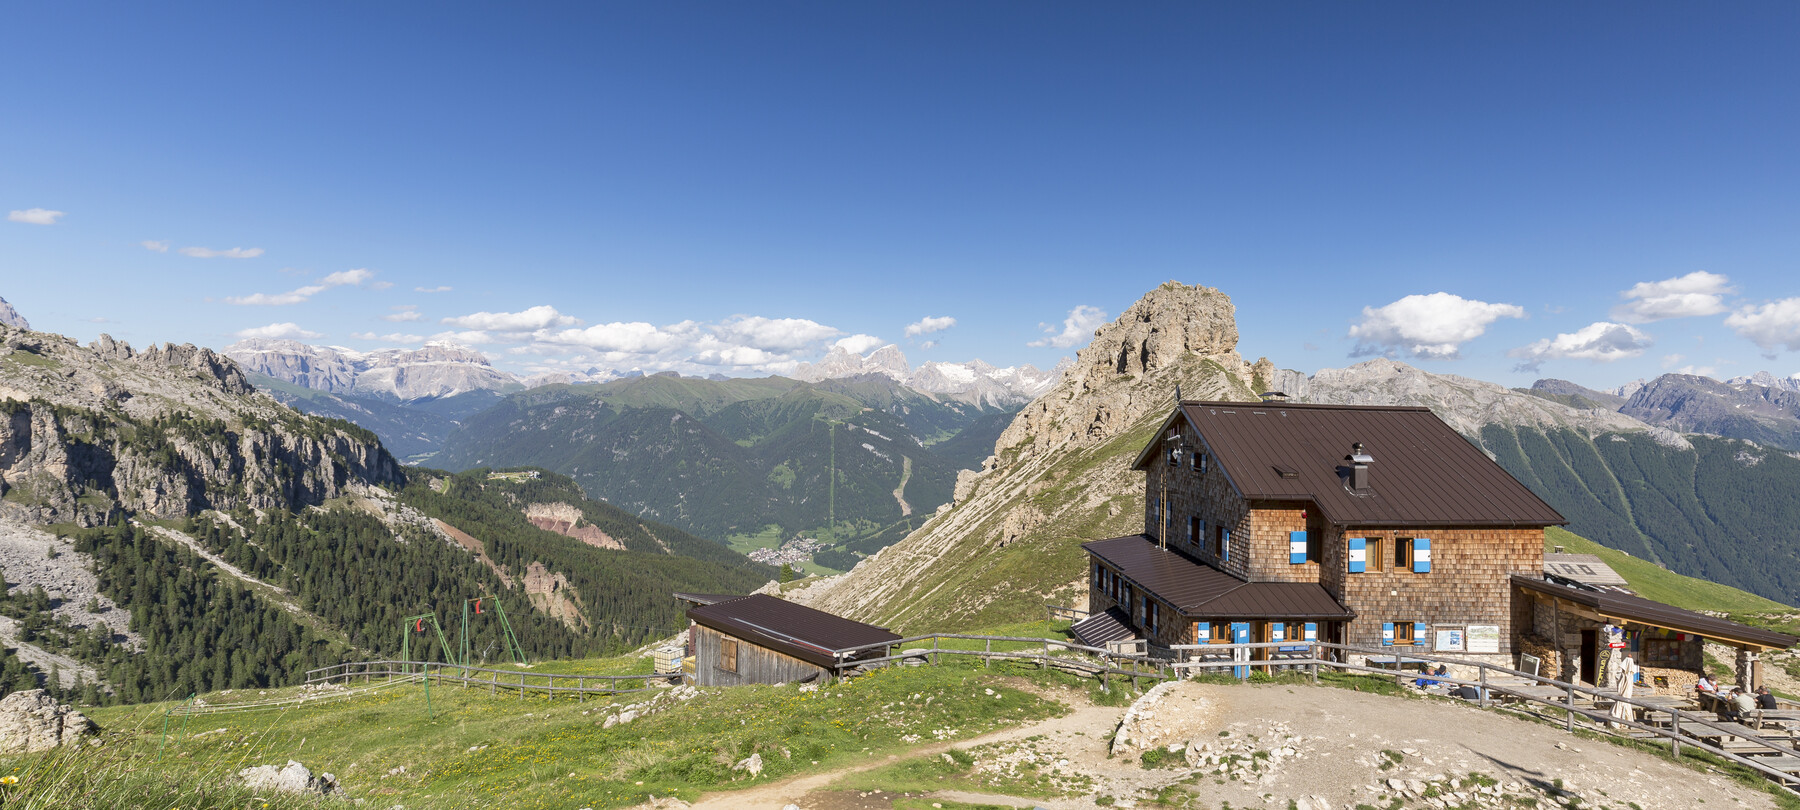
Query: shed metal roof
point(1588, 569)
point(1106, 626)
point(1423, 474)
point(1201, 591)
point(810, 635)
point(1629, 607)
point(706, 598)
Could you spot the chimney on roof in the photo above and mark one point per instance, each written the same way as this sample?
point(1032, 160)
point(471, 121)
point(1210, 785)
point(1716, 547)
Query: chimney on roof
point(1274, 396)
point(1359, 467)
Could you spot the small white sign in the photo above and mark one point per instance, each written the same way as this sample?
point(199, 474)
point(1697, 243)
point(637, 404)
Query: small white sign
point(1484, 638)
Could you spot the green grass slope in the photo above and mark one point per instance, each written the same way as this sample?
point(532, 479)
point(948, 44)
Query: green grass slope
point(1652, 581)
point(473, 749)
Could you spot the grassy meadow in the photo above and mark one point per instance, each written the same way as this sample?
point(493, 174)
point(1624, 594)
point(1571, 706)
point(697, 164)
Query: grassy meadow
point(474, 749)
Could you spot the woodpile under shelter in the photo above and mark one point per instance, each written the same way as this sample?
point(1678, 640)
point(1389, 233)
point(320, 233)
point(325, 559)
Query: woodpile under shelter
point(762, 639)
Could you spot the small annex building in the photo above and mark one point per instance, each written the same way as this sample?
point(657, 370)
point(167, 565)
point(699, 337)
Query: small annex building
point(760, 639)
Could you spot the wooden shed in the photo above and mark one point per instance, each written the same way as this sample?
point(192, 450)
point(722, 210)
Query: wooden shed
point(762, 639)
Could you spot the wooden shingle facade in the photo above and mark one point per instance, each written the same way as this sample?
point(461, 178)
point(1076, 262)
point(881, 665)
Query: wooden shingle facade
point(1411, 532)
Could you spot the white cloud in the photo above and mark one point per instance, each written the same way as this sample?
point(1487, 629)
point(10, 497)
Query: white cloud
point(774, 333)
point(35, 216)
point(1697, 293)
point(346, 277)
point(230, 253)
point(402, 317)
point(1670, 360)
point(1699, 371)
point(155, 246)
point(859, 344)
point(542, 316)
point(925, 326)
point(438, 289)
point(1770, 326)
point(279, 330)
point(635, 337)
point(1076, 328)
point(300, 295)
point(929, 344)
point(393, 337)
point(1601, 342)
point(1432, 326)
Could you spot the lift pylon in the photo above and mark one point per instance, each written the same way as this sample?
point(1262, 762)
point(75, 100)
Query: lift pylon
point(482, 604)
point(416, 624)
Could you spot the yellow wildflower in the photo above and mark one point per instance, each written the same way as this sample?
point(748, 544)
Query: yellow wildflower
point(9, 779)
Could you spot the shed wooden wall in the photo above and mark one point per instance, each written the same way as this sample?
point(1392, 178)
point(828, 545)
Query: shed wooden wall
point(754, 664)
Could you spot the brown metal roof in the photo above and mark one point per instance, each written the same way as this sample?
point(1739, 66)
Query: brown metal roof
point(797, 630)
point(1201, 591)
point(1627, 607)
point(1423, 474)
point(1108, 625)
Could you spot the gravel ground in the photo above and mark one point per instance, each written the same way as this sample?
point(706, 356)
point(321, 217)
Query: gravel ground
point(1321, 748)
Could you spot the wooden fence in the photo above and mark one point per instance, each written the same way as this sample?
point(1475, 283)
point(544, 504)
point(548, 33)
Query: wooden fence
point(549, 684)
point(1087, 661)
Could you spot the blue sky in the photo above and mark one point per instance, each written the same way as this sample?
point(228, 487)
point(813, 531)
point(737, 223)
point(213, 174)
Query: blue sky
point(735, 187)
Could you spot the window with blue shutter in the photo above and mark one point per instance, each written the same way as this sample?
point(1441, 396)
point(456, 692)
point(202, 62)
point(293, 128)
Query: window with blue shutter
point(1387, 634)
point(1421, 554)
point(1419, 634)
point(1296, 548)
point(1312, 631)
point(1359, 555)
point(1202, 632)
point(1225, 543)
point(1278, 631)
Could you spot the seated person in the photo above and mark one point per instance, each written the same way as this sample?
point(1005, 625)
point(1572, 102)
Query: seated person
point(1705, 691)
point(1441, 671)
point(1744, 706)
point(1466, 693)
point(1765, 700)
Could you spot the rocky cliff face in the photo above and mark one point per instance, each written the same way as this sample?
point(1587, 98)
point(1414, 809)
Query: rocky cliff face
point(1060, 475)
point(1465, 404)
point(11, 317)
point(88, 431)
point(1690, 404)
point(437, 370)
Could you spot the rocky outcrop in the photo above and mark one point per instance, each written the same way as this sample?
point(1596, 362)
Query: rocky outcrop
point(550, 592)
point(1060, 475)
point(566, 520)
point(167, 432)
point(11, 317)
point(294, 778)
point(32, 721)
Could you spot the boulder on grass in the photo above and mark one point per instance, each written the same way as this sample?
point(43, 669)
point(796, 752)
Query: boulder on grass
point(33, 721)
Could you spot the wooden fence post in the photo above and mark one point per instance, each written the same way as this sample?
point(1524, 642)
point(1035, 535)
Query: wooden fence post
point(1315, 663)
point(1675, 730)
point(1046, 655)
point(1571, 708)
point(1484, 692)
point(934, 651)
point(987, 661)
point(521, 686)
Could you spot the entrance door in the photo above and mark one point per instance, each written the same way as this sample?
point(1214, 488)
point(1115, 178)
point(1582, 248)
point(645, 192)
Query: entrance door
point(1240, 634)
point(1590, 664)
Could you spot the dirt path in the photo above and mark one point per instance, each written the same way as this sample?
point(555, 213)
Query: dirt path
point(804, 790)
